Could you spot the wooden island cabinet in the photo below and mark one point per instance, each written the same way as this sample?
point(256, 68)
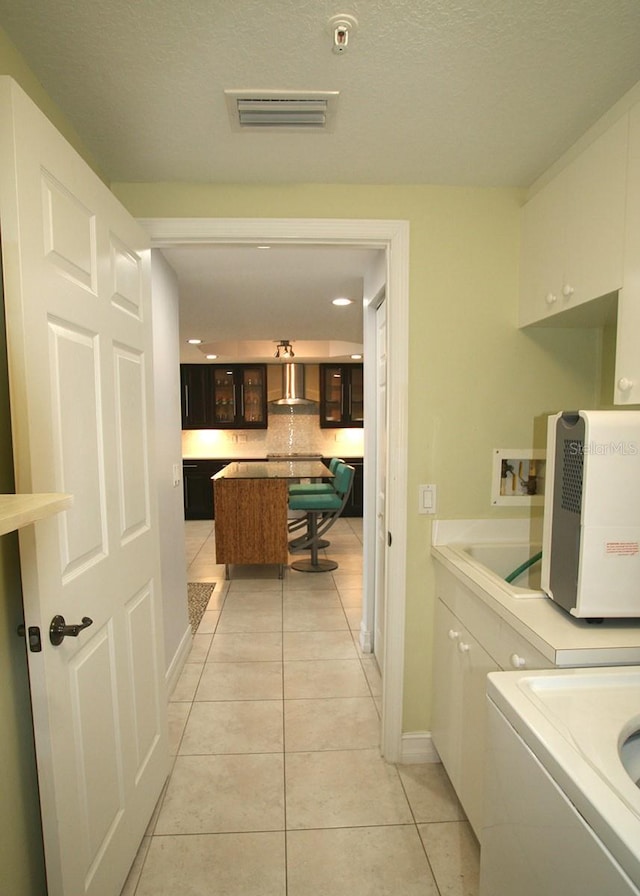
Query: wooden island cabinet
point(251, 502)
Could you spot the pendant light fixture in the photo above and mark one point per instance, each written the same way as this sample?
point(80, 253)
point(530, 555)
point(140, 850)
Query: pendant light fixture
point(284, 350)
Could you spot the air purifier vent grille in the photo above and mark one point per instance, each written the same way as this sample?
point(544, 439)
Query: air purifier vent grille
point(572, 470)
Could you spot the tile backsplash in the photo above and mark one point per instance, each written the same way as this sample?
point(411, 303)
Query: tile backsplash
point(289, 432)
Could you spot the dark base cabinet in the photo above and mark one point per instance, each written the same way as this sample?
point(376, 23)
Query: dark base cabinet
point(198, 488)
point(355, 504)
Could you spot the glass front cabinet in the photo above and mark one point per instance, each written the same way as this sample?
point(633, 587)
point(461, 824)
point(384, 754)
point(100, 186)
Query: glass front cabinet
point(341, 395)
point(216, 396)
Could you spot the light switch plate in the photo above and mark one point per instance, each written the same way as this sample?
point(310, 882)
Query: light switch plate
point(177, 474)
point(427, 498)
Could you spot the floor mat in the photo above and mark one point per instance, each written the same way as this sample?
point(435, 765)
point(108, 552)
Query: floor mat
point(198, 594)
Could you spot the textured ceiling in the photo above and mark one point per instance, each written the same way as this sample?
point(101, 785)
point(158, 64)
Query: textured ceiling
point(468, 92)
point(486, 92)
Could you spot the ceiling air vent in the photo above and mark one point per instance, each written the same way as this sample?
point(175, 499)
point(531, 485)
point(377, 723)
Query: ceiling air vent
point(259, 109)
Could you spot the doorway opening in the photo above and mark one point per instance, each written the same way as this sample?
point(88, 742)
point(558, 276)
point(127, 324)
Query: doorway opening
point(393, 238)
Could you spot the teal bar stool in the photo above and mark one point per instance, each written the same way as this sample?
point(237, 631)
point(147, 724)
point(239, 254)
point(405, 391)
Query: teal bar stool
point(322, 511)
point(314, 488)
point(310, 488)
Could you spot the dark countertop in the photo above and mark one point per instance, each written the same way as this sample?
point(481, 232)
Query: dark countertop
point(275, 469)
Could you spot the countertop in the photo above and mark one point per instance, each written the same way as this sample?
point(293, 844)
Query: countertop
point(226, 456)
point(565, 641)
point(275, 469)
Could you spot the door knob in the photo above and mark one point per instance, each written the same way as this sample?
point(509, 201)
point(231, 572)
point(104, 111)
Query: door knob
point(58, 630)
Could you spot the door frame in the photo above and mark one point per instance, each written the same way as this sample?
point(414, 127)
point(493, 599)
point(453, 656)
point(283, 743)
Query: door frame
point(393, 237)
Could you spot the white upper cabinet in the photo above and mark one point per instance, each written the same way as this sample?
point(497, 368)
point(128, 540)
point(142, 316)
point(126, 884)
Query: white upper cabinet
point(573, 231)
point(542, 252)
point(627, 377)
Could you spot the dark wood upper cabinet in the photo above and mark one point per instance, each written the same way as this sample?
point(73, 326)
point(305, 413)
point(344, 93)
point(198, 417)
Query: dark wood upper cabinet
point(224, 396)
point(341, 395)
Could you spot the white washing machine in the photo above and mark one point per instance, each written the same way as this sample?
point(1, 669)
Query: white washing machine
point(562, 807)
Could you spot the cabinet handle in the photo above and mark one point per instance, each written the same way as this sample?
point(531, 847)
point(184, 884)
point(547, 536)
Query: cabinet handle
point(551, 298)
point(625, 384)
point(186, 401)
point(453, 634)
point(463, 647)
point(567, 291)
point(242, 401)
point(518, 662)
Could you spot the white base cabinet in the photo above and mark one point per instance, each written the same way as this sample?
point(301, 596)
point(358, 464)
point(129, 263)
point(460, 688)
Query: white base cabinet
point(483, 625)
point(462, 666)
point(470, 641)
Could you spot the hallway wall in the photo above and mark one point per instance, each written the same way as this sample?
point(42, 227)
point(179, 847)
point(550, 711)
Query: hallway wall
point(168, 447)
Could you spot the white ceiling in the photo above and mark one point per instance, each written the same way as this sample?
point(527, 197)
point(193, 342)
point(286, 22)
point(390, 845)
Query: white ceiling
point(466, 92)
point(242, 300)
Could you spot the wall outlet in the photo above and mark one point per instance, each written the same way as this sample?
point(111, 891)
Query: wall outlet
point(427, 498)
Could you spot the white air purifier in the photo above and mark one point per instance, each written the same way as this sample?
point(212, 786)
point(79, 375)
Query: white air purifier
point(591, 536)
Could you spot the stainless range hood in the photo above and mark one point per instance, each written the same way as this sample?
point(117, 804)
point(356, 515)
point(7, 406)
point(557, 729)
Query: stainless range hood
point(293, 386)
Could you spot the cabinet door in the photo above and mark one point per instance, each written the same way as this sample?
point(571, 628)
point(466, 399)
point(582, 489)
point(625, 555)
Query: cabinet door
point(573, 231)
point(595, 213)
point(461, 666)
point(341, 395)
point(239, 396)
point(627, 380)
point(331, 395)
point(355, 504)
point(542, 252)
point(195, 396)
point(225, 396)
point(253, 396)
point(447, 722)
point(355, 395)
point(198, 487)
point(475, 666)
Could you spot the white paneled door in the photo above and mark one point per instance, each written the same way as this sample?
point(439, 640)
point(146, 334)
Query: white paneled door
point(77, 294)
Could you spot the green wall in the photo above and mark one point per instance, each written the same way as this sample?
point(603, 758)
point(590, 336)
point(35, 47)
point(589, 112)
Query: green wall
point(476, 381)
point(12, 63)
point(21, 858)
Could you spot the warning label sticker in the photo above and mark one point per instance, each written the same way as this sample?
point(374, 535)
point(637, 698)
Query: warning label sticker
point(622, 548)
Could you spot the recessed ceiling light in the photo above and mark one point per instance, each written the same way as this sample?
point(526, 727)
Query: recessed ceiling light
point(356, 357)
point(263, 247)
point(211, 357)
point(342, 302)
point(194, 341)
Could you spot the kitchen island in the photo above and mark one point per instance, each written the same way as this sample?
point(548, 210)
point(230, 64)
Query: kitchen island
point(251, 506)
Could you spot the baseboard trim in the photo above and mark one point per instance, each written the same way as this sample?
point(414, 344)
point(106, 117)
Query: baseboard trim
point(179, 659)
point(365, 639)
point(417, 746)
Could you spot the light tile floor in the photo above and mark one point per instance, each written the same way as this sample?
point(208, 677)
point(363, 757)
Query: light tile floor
point(277, 785)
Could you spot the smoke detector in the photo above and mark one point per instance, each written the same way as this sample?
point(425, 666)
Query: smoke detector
point(278, 109)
